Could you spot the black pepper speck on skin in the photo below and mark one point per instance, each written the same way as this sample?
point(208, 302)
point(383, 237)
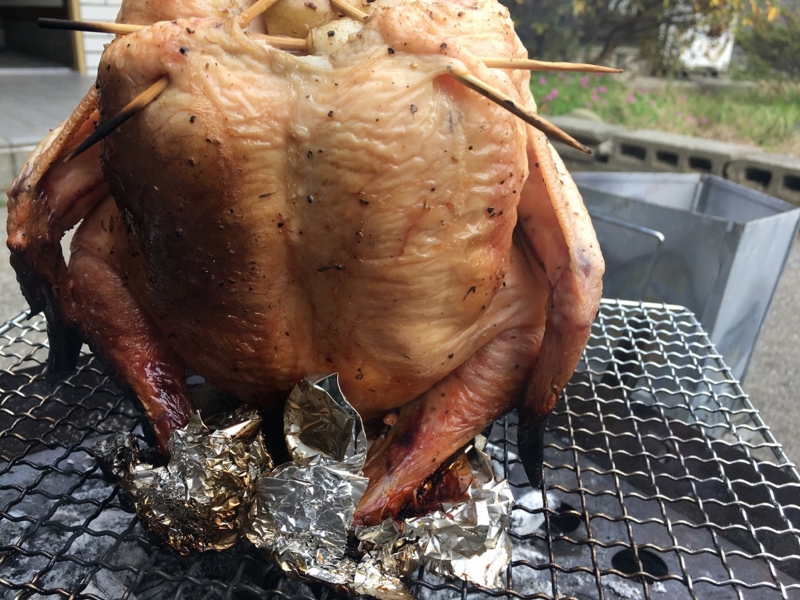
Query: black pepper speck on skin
point(331, 33)
point(391, 50)
point(184, 49)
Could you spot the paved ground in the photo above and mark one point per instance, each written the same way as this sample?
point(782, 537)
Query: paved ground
point(773, 379)
point(31, 105)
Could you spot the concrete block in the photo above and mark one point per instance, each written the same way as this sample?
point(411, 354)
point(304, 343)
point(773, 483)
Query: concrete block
point(594, 134)
point(774, 174)
point(586, 131)
point(647, 150)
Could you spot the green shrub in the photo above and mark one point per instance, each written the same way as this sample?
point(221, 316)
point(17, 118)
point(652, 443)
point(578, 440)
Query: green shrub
point(773, 48)
point(750, 115)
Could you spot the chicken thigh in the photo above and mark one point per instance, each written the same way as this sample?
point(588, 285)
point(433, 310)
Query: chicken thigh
point(356, 210)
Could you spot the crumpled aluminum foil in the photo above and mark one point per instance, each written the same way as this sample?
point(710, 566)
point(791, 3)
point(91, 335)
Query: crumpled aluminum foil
point(468, 539)
point(201, 499)
point(304, 509)
point(221, 483)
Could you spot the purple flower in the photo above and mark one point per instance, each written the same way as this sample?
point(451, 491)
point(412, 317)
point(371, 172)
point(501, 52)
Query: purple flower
point(683, 98)
point(548, 97)
point(585, 81)
point(542, 81)
point(652, 102)
point(602, 89)
point(560, 75)
point(595, 98)
point(704, 120)
point(691, 120)
point(605, 101)
point(588, 105)
point(645, 90)
point(631, 98)
point(678, 115)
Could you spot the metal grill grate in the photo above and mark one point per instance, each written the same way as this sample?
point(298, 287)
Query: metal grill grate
point(661, 481)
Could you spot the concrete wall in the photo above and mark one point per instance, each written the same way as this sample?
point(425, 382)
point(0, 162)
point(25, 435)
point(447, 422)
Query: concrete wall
point(616, 148)
point(96, 10)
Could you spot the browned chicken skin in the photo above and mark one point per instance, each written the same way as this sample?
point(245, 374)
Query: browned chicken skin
point(270, 216)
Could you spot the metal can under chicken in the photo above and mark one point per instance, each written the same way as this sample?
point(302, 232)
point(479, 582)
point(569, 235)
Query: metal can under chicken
point(661, 481)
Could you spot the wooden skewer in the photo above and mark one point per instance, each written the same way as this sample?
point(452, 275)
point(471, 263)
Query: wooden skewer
point(130, 109)
point(349, 10)
point(116, 28)
point(251, 13)
point(285, 43)
point(279, 41)
point(511, 106)
point(541, 65)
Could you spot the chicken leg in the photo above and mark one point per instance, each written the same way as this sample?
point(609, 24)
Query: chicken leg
point(562, 244)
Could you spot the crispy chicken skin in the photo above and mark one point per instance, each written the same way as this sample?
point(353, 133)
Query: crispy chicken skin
point(270, 216)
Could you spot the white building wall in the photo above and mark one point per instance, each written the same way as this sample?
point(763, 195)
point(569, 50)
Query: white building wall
point(93, 43)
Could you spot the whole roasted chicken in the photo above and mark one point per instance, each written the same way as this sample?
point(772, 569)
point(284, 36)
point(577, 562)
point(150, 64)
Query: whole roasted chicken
point(352, 208)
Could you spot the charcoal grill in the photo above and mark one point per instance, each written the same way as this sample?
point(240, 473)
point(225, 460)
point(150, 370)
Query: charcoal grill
point(661, 481)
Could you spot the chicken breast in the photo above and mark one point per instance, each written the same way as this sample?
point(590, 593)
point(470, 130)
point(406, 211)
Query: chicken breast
point(356, 209)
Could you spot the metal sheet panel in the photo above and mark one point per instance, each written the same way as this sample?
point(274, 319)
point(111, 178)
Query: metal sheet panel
point(672, 190)
point(723, 251)
point(750, 287)
point(687, 268)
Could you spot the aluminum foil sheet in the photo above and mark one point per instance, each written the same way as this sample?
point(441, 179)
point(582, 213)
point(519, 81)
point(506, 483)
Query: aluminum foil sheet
point(221, 483)
point(201, 499)
point(468, 539)
point(304, 509)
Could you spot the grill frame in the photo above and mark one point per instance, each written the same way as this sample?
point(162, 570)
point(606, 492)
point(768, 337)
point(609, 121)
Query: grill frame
point(654, 453)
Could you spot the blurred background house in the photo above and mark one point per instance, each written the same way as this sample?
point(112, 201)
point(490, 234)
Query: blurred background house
point(23, 45)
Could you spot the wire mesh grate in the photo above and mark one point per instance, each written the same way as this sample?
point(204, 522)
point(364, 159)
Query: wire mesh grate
point(661, 481)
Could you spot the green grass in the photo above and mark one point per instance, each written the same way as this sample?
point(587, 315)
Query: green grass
point(757, 116)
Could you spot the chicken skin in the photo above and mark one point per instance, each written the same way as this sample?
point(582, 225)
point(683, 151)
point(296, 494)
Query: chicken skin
point(355, 210)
